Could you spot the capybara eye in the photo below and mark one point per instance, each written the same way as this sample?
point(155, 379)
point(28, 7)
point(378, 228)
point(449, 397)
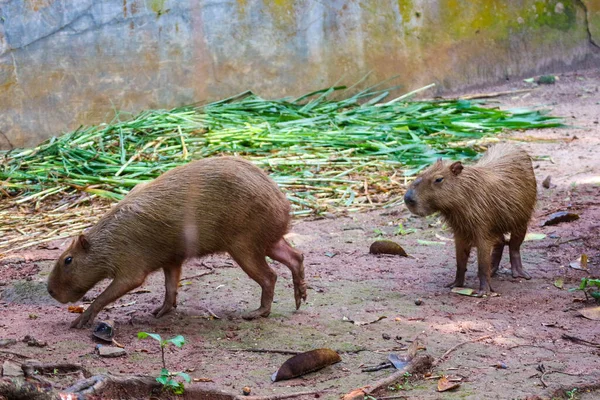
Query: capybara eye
point(438, 180)
point(68, 260)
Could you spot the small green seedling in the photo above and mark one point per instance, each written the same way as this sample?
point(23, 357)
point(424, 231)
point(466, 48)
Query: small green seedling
point(589, 286)
point(571, 394)
point(405, 385)
point(404, 231)
point(166, 377)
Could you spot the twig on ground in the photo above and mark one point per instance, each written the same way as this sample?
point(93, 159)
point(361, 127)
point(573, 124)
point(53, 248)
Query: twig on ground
point(281, 396)
point(492, 94)
point(531, 345)
point(580, 341)
point(198, 276)
point(439, 360)
point(15, 354)
point(272, 351)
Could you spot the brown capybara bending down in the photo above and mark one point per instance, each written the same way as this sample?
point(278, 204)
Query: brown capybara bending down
point(480, 203)
point(220, 204)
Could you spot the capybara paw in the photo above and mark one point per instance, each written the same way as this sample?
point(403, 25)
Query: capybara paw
point(300, 294)
point(455, 283)
point(520, 273)
point(162, 310)
point(83, 320)
point(258, 313)
point(484, 290)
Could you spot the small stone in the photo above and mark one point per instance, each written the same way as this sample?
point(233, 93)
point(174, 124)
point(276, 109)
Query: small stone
point(547, 182)
point(7, 342)
point(418, 302)
point(246, 390)
point(11, 369)
point(386, 336)
point(110, 351)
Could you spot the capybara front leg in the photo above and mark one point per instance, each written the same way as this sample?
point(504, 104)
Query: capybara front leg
point(294, 260)
point(257, 268)
point(514, 246)
point(463, 249)
point(484, 265)
point(117, 288)
point(172, 276)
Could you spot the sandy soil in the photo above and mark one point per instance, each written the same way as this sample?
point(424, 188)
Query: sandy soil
point(506, 340)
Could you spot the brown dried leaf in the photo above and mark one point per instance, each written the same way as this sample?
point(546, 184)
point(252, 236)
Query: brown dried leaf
point(561, 216)
point(304, 363)
point(444, 384)
point(387, 247)
point(592, 313)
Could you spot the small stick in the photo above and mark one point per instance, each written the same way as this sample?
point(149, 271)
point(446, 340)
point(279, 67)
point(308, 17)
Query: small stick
point(531, 345)
point(580, 341)
point(15, 354)
point(436, 362)
point(198, 276)
point(273, 351)
point(280, 396)
point(493, 94)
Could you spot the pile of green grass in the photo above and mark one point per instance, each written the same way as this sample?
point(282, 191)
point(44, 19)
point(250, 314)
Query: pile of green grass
point(325, 154)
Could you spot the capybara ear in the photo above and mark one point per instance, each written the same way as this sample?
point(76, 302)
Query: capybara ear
point(83, 242)
point(456, 168)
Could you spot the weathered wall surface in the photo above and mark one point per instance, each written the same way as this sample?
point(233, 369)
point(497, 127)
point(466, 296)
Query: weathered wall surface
point(69, 62)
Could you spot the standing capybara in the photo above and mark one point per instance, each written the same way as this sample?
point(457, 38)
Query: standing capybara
point(480, 203)
point(221, 204)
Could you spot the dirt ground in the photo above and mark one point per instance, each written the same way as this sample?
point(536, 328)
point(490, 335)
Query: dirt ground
point(506, 340)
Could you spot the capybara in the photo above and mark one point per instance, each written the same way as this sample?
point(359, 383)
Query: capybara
point(220, 204)
point(481, 203)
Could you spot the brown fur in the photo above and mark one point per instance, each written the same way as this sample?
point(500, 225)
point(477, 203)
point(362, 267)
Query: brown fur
point(480, 203)
point(221, 204)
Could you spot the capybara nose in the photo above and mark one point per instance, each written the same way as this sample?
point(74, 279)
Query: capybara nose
point(409, 198)
point(51, 292)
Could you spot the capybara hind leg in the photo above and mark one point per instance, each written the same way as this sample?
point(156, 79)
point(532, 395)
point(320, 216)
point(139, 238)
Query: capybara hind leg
point(514, 246)
point(497, 255)
point(463, 249)
point(484, 265)
point(257, 268)
point(117, 288)
point(294, 260)
point(172, 276)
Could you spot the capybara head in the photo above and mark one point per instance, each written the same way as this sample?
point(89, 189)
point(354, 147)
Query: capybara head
point(432, 190)
point(73, 274)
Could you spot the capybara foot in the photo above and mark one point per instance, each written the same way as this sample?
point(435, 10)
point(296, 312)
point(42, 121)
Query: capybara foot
point(484, 290)
point(520, 273)
point(258, 313)
point(299, 293)
point(84, 319)
point(455, 283)
point(162, 310)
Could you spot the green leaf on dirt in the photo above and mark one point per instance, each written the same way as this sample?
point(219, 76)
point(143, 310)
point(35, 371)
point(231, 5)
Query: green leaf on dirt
point(559, 282)
point(177, 340)
point(463, 291)
point(430, 243)
point(330, 254)
point(534, 236)
point(144, 335)
point(184, 376)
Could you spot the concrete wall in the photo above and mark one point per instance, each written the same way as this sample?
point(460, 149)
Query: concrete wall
point(69, 62)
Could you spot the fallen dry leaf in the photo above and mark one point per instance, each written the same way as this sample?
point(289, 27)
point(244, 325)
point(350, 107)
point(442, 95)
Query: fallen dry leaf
point(592, 313)
point(387, 247)
point(581, 263)
point(76, 309)
point(304, 363)
point(444, 384)
point(561, 216)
